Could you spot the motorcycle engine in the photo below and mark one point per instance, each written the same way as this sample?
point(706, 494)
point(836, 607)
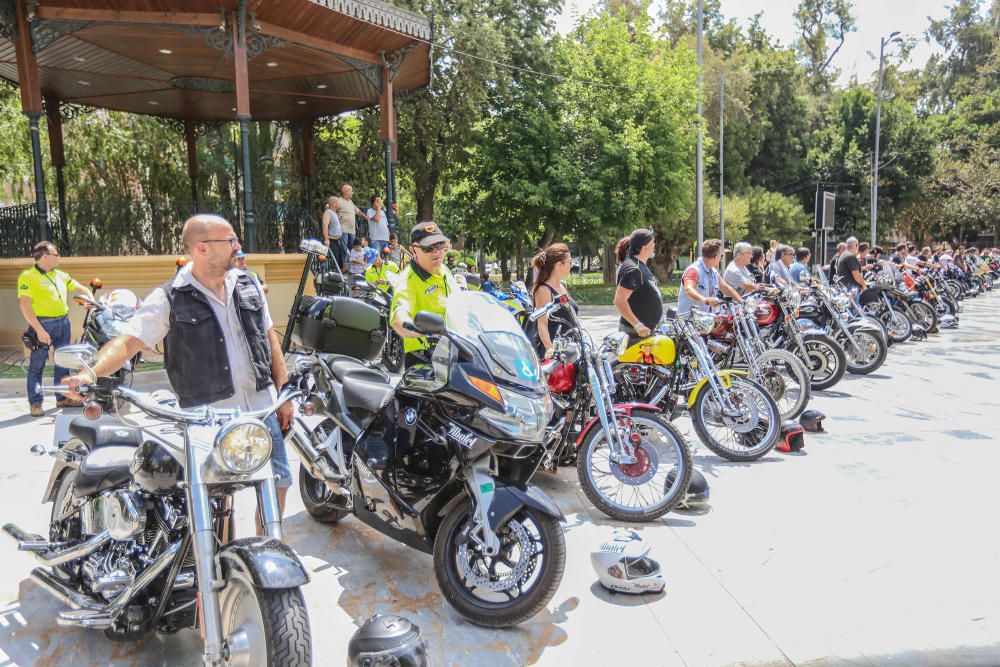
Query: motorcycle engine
point(634, 374)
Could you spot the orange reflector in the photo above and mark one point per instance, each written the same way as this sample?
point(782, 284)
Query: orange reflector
point(487, 388)
point(96, 282)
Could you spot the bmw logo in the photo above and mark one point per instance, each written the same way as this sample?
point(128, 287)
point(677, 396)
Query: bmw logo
point(410, 417)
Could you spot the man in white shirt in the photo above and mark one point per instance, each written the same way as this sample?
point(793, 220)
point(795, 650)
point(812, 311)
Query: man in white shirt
point(737, 275)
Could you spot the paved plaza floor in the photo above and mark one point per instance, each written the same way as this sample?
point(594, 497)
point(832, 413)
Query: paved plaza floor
point(876, 546)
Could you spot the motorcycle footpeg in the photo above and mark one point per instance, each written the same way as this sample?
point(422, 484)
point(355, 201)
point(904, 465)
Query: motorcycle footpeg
point(27, 541)
point(84, 618)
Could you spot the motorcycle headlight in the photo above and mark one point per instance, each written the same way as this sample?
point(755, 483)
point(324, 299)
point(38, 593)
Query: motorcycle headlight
point(793, 297)
point(703, 322)
point(750, 305)
point(523, 417)
point(842, 302)
point(243, 445)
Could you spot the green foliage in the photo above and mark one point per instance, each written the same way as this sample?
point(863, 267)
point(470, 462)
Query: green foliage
point(771, 215)
point(823, 26)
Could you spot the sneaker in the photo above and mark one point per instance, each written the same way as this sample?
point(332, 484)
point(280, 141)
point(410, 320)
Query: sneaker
point(36, 411)
point(69, 403)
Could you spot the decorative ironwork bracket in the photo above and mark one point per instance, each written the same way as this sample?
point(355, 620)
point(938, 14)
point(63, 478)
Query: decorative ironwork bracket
point(45, 32)
point(371, 72)
point(395, 60)
point(8, 20)
point(68, 110)
point(221, 38)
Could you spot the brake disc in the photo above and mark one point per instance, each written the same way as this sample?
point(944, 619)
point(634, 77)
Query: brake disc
point(478, 572)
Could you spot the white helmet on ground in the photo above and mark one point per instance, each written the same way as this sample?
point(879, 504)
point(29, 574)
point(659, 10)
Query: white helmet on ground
point(623, 564)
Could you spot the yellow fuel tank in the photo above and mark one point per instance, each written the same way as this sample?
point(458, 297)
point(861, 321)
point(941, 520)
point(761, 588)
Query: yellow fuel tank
point(657, 349)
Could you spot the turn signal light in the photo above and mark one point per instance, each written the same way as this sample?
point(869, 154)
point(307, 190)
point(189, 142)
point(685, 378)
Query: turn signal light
point(487, 388)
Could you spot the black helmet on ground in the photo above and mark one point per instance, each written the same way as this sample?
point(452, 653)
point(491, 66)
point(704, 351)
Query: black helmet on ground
point(388, 641)
point(812, 421)
point(696, 497)
point(791, 439)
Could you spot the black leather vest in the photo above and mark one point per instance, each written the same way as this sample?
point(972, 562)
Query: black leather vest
point(194, 350)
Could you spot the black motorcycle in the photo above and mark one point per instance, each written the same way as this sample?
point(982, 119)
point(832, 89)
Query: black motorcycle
point(105, 319)
point(441, 462)
point(141, 537)
point(862, 341)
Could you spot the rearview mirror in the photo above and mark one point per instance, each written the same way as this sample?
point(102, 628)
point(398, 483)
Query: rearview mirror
point(76, 357)
point(430, 323)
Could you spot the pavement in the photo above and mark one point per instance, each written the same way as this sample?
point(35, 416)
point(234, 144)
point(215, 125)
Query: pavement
point(873, 547)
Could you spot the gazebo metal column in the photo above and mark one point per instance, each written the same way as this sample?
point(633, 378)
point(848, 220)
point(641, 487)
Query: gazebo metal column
point(238, 26)
point(191, 141)
point(387, 116)
point(31, 105)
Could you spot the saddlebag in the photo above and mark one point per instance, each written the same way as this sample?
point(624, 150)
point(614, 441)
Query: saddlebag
point(339, 325)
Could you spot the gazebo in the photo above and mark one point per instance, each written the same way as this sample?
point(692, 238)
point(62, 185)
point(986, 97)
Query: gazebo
point(204, 61)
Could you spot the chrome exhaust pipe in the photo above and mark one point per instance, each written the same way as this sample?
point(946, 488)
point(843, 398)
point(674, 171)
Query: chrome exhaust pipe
point(64, 592)
point(316, 462)
point(51, 554)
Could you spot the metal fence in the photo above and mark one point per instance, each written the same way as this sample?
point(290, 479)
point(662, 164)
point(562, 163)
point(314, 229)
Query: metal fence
point(124, 227)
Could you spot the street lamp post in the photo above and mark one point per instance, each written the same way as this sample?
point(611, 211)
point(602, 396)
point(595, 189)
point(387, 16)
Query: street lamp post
point(893, 37)
point(699, 159)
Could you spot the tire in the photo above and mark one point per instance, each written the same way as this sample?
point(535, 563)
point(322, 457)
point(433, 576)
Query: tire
point(746, 445)
point(826, 363)
point(927, 316)
point(68, 530)
point(868, 340)
point(273, 621)
point(392, 352)
point(952, 304)
point(320, 502)
point(452, 543)
point(786, 379)
point(899, 325)
point(658, 470)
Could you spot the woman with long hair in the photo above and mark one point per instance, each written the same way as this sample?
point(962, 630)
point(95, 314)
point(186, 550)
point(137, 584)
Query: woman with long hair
point(551, 268)
point(756, 265)
point(637, 297)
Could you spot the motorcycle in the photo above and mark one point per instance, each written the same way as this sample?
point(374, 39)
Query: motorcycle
point(862, 342)
point(775, 312)
point(392, 352)
point(442, 462)
point(105, 318)
point(141, 537)
point(735, 343)
point(633, 464)
point(733, 416)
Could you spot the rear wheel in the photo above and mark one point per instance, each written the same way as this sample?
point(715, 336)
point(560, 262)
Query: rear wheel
point(392, 353)
point(322, 504)
point(640, 491)
point(871, 355)
point(825, 360)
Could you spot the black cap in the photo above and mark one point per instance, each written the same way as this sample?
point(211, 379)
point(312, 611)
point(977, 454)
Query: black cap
point(426, 233)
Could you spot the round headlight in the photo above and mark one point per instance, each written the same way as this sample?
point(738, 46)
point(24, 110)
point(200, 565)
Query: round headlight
point(793, 297)
point(244, 445)
point(703, 322)
point(750, 305)
point(841, 301)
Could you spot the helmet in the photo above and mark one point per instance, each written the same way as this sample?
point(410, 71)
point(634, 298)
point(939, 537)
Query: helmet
point(696, 497)
point(384, 641)
point(919, 333)
point(623, 564)
point(791, 436)
point(812, 421)
point(948, 322)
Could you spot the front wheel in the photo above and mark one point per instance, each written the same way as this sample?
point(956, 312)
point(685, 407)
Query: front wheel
point(786, 379)
point(392, 353)
point(926, 316)
point(264, 627)
point(899, 325)
point(825, 360)
point(746, 429)
point(871, 355)
point(646, 489)
point(506, 589)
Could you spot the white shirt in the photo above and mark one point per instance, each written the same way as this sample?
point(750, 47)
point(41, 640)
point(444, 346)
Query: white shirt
point(151, 323)
point(378, 227)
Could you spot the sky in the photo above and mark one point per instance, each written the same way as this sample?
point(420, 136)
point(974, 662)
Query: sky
point(874, 18)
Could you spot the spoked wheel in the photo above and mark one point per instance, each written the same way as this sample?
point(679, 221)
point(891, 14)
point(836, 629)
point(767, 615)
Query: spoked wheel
point(825, 360)
point(745, 430)
point(264, 627)
point(871, 355)
point(899, 325)
point(926, 316)
point(786, 379)
point(643, 490)
point(506, 589)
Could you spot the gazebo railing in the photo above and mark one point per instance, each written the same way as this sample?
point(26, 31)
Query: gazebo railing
point(127, 227)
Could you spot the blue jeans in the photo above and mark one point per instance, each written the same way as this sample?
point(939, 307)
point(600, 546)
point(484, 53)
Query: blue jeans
point(59, 330)
point(379, 245)
point(346, 245)
point(279, 455)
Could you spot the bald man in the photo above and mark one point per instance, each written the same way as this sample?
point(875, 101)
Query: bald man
point(220, 347)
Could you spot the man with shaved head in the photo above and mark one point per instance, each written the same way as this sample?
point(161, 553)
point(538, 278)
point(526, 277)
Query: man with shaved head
point(220, 347)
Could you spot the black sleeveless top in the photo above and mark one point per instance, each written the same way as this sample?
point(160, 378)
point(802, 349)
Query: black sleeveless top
point(557, 323)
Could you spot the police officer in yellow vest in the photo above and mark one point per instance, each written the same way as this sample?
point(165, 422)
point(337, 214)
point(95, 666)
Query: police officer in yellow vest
point(42, 292)
point(424, 284)
point(382, 273)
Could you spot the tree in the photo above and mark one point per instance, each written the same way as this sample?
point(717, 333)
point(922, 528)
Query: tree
point(823, 25)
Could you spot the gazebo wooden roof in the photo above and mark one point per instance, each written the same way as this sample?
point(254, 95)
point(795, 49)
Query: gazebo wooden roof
point(305, 58)
point(211, 60)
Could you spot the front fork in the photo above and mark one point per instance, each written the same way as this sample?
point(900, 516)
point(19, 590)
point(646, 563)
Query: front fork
point(621, 450)
point(206, 545)
point(708, 371)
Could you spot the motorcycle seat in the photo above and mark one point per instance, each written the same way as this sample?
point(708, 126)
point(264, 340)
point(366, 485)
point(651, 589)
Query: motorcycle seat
point(347, 367)
point(104, 432)
point(104, 468)
point(367, 396)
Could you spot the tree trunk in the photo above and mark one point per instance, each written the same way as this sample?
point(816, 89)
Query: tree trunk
point(608, 264)
point(547, 238)
point(519, 249)
point(504, 268)
point(662, 265)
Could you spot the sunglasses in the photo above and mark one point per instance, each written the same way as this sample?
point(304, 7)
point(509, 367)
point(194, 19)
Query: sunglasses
point(232, 241)
point(431, 249)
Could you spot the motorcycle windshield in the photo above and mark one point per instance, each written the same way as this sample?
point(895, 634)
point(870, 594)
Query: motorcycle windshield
point(485, 323)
